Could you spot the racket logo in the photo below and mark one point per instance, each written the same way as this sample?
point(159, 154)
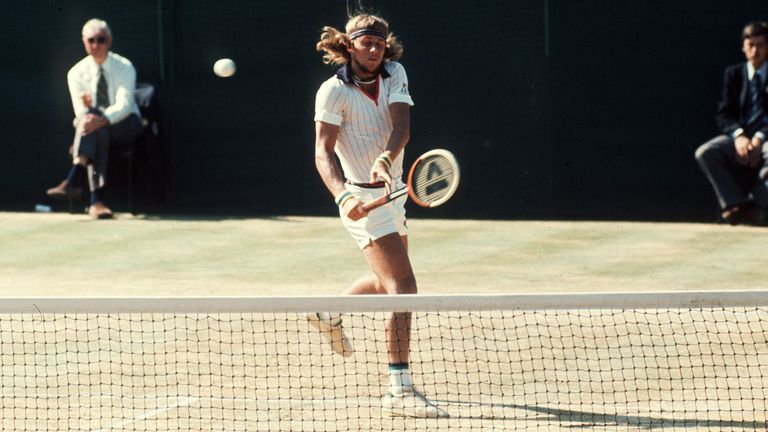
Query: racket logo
point(435, 186)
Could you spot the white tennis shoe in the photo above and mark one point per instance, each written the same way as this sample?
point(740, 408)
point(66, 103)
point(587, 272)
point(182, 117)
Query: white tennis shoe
point(411, 404)
point(333, 332)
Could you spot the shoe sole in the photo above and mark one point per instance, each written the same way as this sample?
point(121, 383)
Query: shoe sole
point(327, 332)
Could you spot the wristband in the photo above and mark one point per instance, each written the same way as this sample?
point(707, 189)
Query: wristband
point(385, 160)
point(343, 197)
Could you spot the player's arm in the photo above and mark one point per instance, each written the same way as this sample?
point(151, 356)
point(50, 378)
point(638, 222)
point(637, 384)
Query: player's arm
point(401, 133)
point(325, 162)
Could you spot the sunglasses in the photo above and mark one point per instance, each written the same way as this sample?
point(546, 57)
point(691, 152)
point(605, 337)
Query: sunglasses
point(99, 40)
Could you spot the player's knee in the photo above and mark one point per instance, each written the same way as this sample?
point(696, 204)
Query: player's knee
point(401, 285)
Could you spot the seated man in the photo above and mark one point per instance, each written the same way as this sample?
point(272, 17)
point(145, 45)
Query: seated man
point(736, 162)
point(102, 88)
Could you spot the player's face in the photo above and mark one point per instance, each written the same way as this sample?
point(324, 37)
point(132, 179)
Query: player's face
point(367, 53)
point(97, 44)
point(756, 50)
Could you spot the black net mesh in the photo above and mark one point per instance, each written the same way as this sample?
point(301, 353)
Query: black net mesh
point(699, 369)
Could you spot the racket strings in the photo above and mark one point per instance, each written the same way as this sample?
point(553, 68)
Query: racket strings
point(433, 178)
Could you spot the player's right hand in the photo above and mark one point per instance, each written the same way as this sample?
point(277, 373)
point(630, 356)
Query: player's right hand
point(380, 172)
point(354, 210)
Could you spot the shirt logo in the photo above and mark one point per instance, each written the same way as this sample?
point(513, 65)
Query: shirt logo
point(404, 88)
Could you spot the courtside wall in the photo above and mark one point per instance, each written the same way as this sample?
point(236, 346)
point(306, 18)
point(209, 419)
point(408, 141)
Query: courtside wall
point(555, 109)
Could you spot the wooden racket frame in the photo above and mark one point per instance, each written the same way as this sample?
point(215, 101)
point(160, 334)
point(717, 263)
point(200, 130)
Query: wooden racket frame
point(378, 202)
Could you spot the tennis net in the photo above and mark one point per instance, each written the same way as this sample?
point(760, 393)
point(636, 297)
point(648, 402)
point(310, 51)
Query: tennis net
point(606, 361)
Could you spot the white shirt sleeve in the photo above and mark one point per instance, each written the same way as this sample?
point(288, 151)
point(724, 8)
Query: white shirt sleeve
point(123, 83)
point(398, 89)
point(77, 88)
point(329, 103)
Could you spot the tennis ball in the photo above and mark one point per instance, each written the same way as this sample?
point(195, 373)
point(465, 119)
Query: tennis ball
point(224, 68)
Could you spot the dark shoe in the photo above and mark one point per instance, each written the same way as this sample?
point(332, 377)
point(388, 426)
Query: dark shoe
point(98, 210)
point(64, 191)
point(745, 214)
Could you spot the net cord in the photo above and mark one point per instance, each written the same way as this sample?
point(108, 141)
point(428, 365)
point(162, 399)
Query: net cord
point(386, 303)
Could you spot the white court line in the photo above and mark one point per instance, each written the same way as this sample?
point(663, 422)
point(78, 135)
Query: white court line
point(187, 401)
point(150, 414)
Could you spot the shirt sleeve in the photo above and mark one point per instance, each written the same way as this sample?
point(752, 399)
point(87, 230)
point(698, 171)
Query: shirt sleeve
point(77, 88)
point(329, 104)
point(124, 82)
point(398, 89)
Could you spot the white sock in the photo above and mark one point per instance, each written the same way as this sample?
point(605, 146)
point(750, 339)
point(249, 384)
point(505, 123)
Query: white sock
point(400, 379)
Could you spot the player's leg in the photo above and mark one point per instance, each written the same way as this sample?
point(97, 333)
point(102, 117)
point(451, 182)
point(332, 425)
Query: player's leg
point(369, 284)
point(330, 325)
point(388, 258)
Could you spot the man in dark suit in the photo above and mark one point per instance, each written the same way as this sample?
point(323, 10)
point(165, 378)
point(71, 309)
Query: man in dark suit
point(736, 162)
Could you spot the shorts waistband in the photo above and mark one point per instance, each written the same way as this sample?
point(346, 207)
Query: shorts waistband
point(379, 184)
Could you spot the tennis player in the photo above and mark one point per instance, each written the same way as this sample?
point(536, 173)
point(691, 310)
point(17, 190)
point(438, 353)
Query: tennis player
point(362, 114)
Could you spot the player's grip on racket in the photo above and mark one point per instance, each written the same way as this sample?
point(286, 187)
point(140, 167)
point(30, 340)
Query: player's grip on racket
point(432, 180)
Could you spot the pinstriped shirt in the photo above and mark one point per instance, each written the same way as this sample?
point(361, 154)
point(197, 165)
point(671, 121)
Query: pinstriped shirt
point(365, 123)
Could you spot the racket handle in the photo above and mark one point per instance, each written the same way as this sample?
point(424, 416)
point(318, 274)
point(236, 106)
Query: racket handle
point(378, 202)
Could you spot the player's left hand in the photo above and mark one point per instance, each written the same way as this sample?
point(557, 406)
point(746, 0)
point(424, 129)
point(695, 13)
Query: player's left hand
point(354, 210)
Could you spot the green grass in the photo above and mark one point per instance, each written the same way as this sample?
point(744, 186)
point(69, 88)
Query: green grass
point(70, 255)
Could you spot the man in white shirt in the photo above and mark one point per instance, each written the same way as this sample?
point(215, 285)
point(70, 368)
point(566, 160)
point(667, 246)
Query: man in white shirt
point(102, 87)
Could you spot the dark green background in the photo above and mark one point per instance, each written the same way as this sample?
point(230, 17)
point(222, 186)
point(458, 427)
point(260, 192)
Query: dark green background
point(556, 109)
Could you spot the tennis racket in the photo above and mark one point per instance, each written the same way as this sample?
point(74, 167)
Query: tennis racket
point(432, 181)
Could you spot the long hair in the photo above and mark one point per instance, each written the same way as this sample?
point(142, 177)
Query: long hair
point(334, 43)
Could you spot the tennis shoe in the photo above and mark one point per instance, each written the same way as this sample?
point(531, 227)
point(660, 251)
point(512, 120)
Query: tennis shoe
point(411, 404)
point(333, 332)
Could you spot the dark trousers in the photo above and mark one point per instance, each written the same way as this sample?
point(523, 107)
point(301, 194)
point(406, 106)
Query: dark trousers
point(734, 184)
point(95, 146)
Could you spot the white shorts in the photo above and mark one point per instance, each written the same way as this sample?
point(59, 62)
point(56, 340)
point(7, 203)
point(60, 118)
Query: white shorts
point(387, 219)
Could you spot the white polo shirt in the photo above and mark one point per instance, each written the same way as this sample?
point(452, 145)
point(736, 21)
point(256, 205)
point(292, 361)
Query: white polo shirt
point(365, 123)
point(83, 78)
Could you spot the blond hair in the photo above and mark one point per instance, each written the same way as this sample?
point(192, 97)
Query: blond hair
point(335, 43)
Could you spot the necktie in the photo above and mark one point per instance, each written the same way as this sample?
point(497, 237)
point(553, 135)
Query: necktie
point(102, 97)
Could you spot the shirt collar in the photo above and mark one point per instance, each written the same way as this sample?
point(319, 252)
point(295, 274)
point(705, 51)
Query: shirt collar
point(762, 71)
point(106, 63)
point(345, 73)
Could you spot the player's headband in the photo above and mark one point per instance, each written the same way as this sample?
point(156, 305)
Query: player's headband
point(368, 32)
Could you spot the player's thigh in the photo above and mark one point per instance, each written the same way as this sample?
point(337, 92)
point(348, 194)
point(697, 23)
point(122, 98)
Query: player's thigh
point(388, 259)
